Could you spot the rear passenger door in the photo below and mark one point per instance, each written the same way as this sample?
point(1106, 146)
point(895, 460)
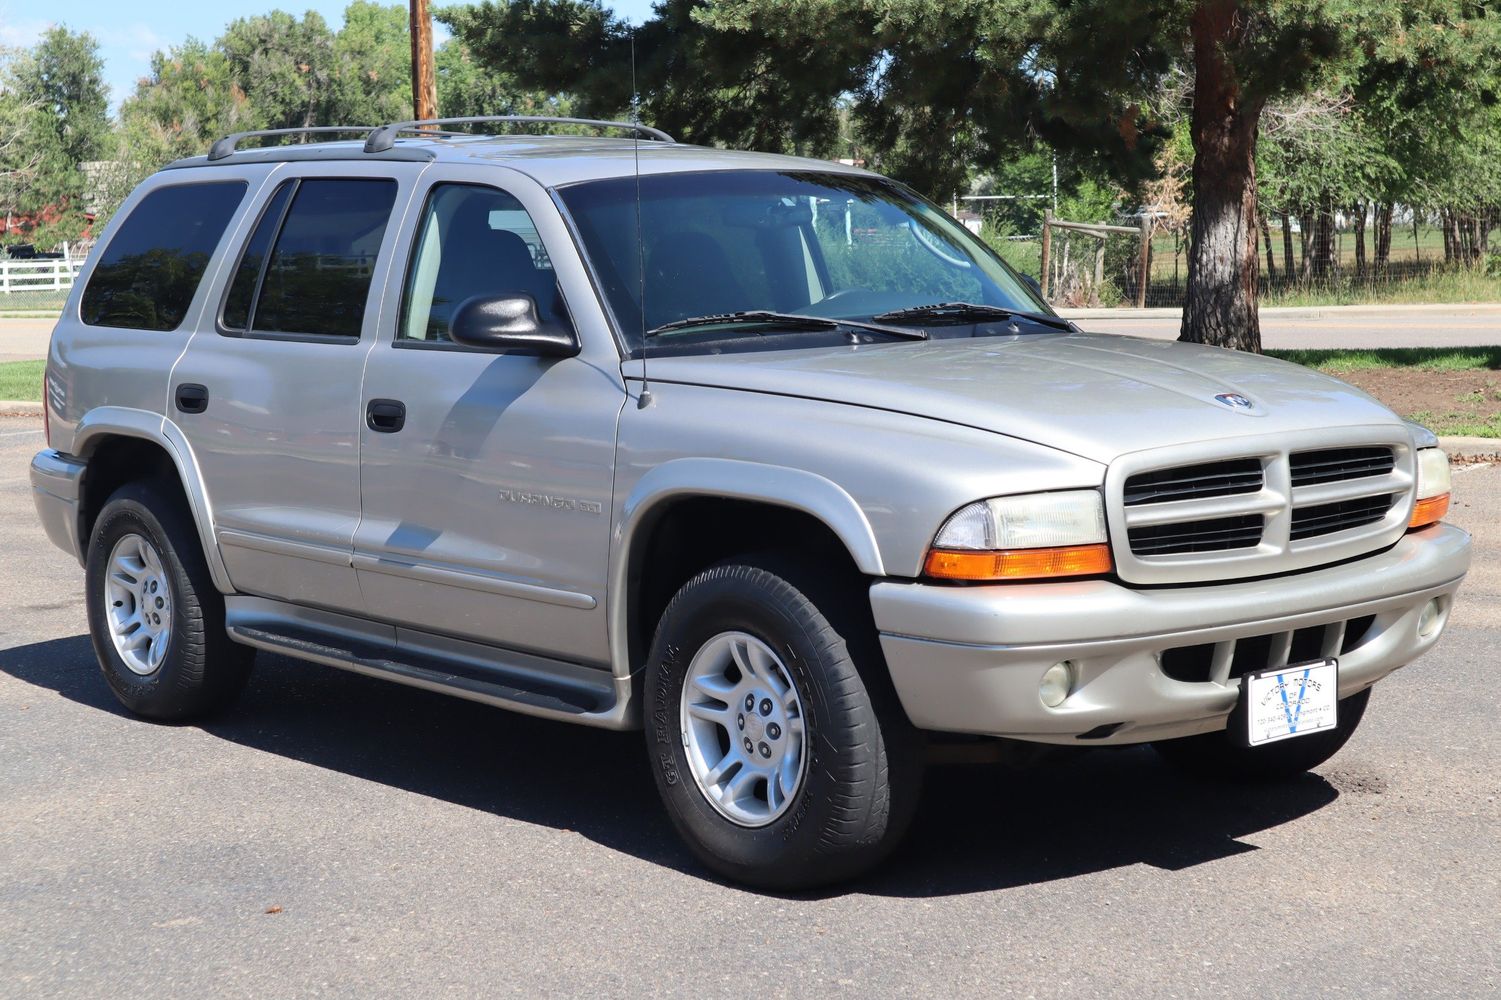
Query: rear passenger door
point(487, 505)
point(268, 391)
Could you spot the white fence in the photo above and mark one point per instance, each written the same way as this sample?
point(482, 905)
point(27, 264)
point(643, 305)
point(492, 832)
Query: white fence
point(53, 275)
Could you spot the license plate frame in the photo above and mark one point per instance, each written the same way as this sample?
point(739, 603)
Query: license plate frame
point(1285, 703)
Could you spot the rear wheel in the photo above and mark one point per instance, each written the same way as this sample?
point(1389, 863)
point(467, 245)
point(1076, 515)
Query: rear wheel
point(778, 746)
point(155, 617)
point(1217, 755)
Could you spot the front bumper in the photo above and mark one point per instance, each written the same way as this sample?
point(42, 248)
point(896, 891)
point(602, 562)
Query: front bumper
point(970, 659)
point(56, 481)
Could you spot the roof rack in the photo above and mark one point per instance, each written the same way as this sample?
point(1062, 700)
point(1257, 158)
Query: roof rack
point(225, 146)
point(379, 138)
point(383, 137)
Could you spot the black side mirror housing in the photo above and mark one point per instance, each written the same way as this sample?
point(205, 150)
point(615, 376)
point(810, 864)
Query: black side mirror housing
point(1033, 284)
point(509, 324)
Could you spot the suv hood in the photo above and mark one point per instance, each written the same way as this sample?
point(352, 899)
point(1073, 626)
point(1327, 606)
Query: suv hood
point(1095, 395)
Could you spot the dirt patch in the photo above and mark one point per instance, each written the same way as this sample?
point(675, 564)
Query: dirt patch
point(1447, 402)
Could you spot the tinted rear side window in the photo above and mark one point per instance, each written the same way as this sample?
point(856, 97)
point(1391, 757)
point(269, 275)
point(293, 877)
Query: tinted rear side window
point(148, 273)
point(252, 259)
point(318, 275)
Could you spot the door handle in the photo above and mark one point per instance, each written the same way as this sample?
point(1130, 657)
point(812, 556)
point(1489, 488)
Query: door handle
point(192, 397)
point(385, 416)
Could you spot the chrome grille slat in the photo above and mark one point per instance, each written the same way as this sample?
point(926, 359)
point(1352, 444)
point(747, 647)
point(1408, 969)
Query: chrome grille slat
point(1336, 464)
point(1217, 535)
point(1326, 519)
point(1214, 479)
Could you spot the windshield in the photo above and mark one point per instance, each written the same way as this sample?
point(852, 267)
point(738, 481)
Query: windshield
point(831, 245)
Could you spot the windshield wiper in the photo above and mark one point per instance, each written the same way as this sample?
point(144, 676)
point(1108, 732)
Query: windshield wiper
point(787, 321)
point(968, 312)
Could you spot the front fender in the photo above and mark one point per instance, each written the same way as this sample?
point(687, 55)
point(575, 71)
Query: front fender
point(796, 489)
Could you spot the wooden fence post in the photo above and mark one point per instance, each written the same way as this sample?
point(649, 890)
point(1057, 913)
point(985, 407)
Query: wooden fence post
point(1144, 269)
point(1099, 272)
point(1047, 248)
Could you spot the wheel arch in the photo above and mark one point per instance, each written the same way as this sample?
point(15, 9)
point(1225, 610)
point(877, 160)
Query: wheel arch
point(109, 438)
point(766, 498)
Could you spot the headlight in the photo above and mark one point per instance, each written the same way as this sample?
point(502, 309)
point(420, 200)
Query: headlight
point(1434, 484)
point(1031, 537)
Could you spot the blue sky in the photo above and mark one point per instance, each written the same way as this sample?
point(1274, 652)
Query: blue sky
point(130, 30)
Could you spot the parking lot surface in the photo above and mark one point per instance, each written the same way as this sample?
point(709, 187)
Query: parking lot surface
point(336, 835)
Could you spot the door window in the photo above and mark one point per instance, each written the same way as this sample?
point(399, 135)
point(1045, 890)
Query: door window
point(324, 235)
point(472, 240)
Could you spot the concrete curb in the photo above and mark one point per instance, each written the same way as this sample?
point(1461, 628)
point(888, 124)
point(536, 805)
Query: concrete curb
point(1472, 449)
point(19, 408)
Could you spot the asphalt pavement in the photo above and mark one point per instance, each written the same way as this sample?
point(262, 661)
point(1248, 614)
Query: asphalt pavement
point(339, 836)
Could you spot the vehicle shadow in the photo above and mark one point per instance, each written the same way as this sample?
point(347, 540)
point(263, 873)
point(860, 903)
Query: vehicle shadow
point(979, 828)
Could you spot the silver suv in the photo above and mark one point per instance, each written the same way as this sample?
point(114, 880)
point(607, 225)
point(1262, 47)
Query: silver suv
point(766, 456)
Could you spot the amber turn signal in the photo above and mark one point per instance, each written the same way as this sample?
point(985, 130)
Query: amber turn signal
point(1429, 511)
point(1020, 564)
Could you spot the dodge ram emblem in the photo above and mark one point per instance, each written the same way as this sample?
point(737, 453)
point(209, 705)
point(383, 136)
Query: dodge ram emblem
point(1235, 401)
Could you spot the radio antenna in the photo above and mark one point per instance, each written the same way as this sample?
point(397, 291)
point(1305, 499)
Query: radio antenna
point(643, 400)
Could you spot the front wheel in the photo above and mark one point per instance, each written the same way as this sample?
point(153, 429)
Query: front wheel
point(783, 759)
point(1216, 755)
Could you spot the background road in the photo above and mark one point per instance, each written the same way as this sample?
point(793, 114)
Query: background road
point(339, 836)
point(1325, 328)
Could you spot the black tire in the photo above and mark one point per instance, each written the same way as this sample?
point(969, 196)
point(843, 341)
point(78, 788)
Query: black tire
point(865, 761)
point(1216, 755)
point(202, 671)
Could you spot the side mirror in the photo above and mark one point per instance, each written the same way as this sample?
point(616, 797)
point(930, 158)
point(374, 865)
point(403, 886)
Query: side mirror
point(509, 323)
point(1033, 284)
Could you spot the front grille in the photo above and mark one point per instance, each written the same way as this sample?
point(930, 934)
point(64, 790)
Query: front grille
point(1326, 519)
point(1217, 535)
point(1335, 465)
point(1194, 482)
point(1257, 505)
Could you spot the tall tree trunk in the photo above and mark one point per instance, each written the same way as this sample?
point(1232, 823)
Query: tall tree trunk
point(1271, 254)
point(1360, 210)
point(1323, 240)
point(1305, 242)
point(1383, 235)
point(1287, 245)
point(1222, 265)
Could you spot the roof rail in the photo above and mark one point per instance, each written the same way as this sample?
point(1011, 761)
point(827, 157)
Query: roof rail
point(383, 137)
point(225, 146)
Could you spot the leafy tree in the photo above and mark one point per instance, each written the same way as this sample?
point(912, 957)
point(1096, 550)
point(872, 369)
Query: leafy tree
point(286, 65)
point(372, 66)
point(53, 117)
point(941, 84)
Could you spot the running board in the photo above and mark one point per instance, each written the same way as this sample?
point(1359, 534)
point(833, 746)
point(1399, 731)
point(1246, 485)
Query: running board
point(506, 679)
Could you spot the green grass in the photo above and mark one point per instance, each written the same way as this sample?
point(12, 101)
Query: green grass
point(1459, 424)
point(1428, 359)
point(21, 380)
point(21, 302)
point(1438, 288)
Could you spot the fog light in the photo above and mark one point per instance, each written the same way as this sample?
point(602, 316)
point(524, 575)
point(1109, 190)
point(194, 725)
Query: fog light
point(1056, 684)
point(1431, 619)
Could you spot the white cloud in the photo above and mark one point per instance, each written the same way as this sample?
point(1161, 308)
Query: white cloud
point(16, 34)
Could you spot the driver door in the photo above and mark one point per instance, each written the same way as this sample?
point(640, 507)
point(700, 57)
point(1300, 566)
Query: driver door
point(486, 477)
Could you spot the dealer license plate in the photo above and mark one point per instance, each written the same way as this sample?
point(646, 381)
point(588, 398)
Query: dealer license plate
point(1288, 702)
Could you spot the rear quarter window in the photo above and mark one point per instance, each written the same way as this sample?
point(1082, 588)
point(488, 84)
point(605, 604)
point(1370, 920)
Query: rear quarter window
point(149, 272)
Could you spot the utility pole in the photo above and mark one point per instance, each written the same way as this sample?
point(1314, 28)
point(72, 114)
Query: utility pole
point(424, 80)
